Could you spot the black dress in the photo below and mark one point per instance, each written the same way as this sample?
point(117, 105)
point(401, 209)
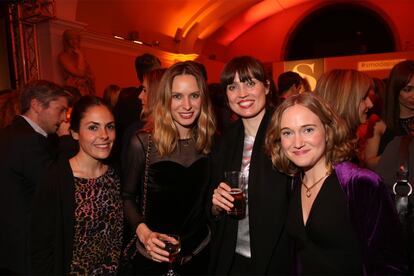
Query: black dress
point(328, 243)
point(175, 199)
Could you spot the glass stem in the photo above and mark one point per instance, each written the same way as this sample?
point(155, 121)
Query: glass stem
point(170, 269)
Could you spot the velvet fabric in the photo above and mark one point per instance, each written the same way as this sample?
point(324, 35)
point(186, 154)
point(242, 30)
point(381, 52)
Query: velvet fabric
point(375, 220)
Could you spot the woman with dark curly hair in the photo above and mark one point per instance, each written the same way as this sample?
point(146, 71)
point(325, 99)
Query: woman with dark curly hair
point(341, 217)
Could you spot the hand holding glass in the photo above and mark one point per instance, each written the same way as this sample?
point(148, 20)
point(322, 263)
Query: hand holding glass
point(238, 182)
point(173, 248)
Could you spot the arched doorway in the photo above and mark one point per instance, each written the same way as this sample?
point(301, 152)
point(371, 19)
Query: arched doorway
point(340, 30)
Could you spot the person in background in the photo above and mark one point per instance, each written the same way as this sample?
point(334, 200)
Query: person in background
point(177, 140)
point(75, 68)
point(341, 218)
point(127, 113)
point(111, 93)
point(62, 141)
point(347, 91)
point(26, 156)
point(148, 96)
point(398, 109)
point(128, 110)
point(289, 83)
point(77, 211)
point(255, 244)
point(145, 63)
point(9, 106)
point(369, 133)
point(223, 114)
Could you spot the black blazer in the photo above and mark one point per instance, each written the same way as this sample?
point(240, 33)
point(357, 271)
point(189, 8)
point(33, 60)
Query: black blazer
point(25, 156)
point(268, 202)
point(53, 222)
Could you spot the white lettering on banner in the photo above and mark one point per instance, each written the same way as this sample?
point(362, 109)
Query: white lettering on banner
point(378, 64)
point(309, 78)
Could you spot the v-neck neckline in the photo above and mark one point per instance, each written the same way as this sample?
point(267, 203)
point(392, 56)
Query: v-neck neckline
point(314, 205)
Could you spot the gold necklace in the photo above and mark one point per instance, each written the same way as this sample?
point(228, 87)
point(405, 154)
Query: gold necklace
point(308, 193)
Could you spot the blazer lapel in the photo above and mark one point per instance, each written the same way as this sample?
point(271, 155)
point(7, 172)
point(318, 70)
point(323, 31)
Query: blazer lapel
point(267, 201)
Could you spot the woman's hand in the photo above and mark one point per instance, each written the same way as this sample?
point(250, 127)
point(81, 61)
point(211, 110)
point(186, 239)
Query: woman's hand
point(222, 200)
point(153, 243)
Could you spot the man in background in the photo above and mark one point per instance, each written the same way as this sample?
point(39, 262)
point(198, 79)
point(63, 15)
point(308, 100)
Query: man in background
point(25, 157)
point(289, 83)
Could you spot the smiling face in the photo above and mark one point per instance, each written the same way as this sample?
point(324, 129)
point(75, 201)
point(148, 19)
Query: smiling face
point(303, 137)
point(96, 133)
point(247, 99)
point(185, 103)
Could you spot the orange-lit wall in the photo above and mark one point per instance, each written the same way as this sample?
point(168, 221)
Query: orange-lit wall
point(114, 63)
point(111, 68)
point(267, 40)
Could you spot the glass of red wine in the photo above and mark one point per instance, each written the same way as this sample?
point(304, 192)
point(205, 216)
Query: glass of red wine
point(172, 247)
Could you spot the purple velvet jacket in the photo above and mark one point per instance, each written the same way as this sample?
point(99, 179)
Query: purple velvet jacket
point(375, 219)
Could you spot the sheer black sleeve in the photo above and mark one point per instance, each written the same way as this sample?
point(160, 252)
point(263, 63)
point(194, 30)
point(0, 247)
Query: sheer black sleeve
point(133, 167)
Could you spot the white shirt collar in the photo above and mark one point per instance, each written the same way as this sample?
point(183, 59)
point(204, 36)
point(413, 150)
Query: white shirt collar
point(35, 126)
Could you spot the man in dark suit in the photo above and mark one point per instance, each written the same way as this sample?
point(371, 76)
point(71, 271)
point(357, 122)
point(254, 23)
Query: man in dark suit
point(25, 156)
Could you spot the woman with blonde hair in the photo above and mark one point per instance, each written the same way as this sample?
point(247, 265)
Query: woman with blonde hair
point(341, 217)
point(167, 168)
point(347, 92)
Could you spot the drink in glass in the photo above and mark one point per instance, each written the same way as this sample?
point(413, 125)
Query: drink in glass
point(173, 248)
point(237, 181)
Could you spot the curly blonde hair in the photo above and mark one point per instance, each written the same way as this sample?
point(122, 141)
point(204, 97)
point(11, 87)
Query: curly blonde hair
point(164, 131)
point(339, 147)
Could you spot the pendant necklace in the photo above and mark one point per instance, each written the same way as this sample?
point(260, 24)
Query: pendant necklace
point(308, 188)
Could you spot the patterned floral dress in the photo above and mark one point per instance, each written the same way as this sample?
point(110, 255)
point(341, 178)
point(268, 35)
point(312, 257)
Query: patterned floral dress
point(98, 225)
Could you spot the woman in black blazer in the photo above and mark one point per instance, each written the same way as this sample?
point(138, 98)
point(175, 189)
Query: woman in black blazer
point(256, 244)
point(77, 211)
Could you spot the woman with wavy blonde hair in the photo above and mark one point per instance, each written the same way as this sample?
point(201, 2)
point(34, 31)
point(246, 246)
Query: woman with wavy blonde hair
point(347, 92)
point(341, 218)
point(338, 146)
point(170, 125)
point(176, 171)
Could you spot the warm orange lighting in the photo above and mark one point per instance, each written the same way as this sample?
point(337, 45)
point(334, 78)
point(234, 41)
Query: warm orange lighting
point(119, 37)
point(252, 16)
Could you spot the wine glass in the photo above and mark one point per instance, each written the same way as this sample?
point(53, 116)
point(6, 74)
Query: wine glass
point(173, 249)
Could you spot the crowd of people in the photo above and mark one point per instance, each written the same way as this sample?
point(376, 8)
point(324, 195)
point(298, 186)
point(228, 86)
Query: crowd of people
point(134, 183)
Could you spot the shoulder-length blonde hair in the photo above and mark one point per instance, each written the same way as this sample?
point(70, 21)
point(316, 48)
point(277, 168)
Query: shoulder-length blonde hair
point(338, 144)
point(164, 130)
point(344, 89)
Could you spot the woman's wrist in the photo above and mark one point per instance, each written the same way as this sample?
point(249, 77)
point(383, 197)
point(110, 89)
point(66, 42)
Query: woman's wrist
point(142, 232)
